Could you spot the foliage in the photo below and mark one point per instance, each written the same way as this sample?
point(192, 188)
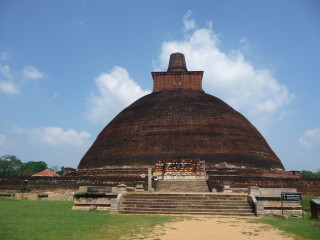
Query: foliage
point(27, 219)
point(12, 166)
point(309, 174)
point(32, 167)
point(306, 228)
point(306, 201)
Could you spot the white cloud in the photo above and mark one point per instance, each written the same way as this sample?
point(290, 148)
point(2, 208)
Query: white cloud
point(229, 76)
point(310, 139)
point(32, 73)
point(8, 87)
point(116, 90)
point(5, 70)
point(188, 22)
point(55, 136)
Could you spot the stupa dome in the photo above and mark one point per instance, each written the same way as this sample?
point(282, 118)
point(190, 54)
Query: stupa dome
point(179, 120)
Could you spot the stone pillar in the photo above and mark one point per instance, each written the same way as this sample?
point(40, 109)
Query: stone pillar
point(114, 204)
point(259, 208)
point(149, 179)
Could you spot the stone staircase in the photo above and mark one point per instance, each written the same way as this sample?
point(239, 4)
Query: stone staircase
point(185, 203)
point(182, 186)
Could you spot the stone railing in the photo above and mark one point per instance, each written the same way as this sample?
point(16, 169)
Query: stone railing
point(258, 205)
point(115, 203)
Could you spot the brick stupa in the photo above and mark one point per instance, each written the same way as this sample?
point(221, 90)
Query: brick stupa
point(178, 120)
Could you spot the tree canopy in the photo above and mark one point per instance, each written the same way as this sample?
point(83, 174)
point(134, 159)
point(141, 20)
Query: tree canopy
point(10, 165)
point(309, 174)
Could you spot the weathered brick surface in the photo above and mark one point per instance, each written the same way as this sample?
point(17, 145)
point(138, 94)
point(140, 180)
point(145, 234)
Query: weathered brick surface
point(72, 183)
point(253, 172)
point(163, 81)
point(306, 186)
point(179, 123)
point(61, 184)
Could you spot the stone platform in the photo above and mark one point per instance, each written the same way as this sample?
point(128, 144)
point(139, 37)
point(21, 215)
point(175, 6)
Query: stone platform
point(185, 203)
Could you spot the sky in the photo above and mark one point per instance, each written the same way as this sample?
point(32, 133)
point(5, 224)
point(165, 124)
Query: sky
point(67, 68)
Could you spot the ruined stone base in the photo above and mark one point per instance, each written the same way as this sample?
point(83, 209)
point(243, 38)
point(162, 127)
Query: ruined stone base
point(93, 198)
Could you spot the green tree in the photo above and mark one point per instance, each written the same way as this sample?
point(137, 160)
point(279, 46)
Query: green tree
point(10, 165)
point(32, 167)
point(309, 174)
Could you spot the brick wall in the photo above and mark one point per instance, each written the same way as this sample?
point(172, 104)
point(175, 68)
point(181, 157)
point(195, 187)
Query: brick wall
point(306, 186)
point(166, 81)
point(43, 184)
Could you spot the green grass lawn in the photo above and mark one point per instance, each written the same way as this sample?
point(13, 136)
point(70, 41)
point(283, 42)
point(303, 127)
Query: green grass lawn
point(306, 228)
point(32, 219)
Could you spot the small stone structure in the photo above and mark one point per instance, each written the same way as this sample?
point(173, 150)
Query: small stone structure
point(315, 208)
point(268, 201)
point(93, 198)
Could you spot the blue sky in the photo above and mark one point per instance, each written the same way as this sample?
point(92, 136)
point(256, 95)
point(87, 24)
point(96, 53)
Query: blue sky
point(68, 67)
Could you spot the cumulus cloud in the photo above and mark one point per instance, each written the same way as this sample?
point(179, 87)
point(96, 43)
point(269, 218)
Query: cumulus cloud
point(5, 70)
point(8, 85)
point(55, 136)
point(116, 90)
point(310, 139)
point(188, 22)
point(228, 75)
point(32, 73)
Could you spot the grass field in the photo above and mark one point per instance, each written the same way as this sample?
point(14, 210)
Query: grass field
point(27, 219)
point(30, 219)
point(306, 228)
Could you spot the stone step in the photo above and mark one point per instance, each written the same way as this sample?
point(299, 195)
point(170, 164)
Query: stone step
point(184, 207)
point(184, 198)
point(175, 195)
point(187, 212)
point(184, 203)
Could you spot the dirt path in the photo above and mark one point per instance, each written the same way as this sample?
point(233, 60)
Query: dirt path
point(217, 228)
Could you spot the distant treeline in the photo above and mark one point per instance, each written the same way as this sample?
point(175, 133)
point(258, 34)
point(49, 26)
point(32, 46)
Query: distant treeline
point(10, 165)
point(309, 174)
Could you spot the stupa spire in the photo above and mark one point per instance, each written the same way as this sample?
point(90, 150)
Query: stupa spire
point(177, 63)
